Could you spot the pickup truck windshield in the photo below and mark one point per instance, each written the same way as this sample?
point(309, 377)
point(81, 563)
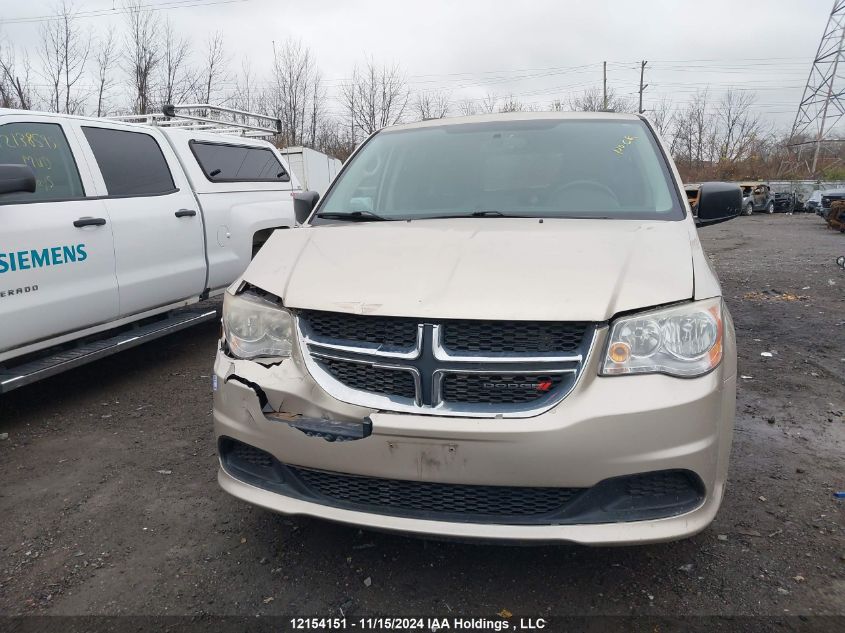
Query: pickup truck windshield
point(555, 168)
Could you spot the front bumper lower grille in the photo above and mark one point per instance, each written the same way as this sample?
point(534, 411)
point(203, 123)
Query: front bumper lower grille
point(427, 498)
point(451, 367)
point(636, 497)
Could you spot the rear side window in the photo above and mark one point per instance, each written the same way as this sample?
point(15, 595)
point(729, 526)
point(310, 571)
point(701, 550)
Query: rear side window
point(221, 162)
point(44, 147)
point(131, 162)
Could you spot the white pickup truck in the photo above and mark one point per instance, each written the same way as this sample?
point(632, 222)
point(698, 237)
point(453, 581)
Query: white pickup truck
point(108, 228)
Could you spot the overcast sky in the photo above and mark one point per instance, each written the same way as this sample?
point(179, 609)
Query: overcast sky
point(536, 50)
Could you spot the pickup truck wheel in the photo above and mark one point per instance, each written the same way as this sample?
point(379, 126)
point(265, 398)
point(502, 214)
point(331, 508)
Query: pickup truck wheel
point(770, 208)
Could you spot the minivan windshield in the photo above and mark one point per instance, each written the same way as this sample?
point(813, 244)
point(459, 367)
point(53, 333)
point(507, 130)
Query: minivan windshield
point(553, 168)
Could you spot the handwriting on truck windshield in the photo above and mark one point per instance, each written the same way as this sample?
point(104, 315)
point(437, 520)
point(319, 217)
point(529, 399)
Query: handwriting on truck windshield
point(35, 148)
point(626, 141)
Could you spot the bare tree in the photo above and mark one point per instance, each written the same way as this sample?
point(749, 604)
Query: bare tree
point(64, 54)
point(7, 95)
point(246, 96)
point(739, 125)
point(296, 93)
point(694, 134)
point(214, 69)
point(76, 49)
point(334, 139)
point(432, 105)
point(488, 103)
point(724, 139)
point(176, 81)
point(52, 62)
point(467, 107)
point(142, 54)
point(661, 116)
point(512, 104)
point(15, 87)
point(318, 101)
point(592, 100)
point(375, 97)
point(105, 59)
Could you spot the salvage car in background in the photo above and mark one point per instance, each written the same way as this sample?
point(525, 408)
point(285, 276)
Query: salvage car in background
point(693, 192)
point(814, 202)
point(757, 196)
point(829, 197)
point(785, 201)
point(496, 327)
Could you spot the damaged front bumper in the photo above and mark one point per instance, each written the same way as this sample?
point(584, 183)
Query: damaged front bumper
point(621, 460)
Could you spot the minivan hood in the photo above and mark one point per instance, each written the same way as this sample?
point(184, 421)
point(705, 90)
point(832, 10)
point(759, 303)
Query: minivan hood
point(480, 268)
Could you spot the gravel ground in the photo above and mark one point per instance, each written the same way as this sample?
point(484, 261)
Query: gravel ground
point(109, 503)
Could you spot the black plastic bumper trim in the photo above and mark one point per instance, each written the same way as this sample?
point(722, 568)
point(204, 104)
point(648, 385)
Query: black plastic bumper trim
point(634, 497)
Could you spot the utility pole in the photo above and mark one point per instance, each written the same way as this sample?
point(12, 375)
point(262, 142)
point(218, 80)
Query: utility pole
point(604, 81)
point(642, 85)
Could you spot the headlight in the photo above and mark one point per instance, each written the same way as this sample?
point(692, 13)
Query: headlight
point(684, 341)
point(255, 327)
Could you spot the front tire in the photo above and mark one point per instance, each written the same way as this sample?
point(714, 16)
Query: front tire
point(749, 209)
point(770, 208)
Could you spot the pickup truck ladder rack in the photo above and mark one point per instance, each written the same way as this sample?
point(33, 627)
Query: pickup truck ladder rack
point(208, 118)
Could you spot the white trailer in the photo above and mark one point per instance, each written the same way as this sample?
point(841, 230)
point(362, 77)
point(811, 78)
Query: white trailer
point(314, 170)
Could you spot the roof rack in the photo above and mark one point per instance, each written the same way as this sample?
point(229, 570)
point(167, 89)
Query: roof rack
point(208, 118)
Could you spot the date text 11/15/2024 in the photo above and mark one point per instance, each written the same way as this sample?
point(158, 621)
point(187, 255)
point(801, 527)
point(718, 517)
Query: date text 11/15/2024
point(453, 623)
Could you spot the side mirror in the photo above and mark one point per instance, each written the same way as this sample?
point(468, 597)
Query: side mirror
point(718, 202)
point(17, 179)
point(303, 204)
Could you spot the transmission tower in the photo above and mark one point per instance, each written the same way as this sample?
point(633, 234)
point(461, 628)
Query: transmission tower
point(823, 103)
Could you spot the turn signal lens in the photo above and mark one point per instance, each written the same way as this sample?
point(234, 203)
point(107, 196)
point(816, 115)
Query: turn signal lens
point(683, 341)
point(619, 352)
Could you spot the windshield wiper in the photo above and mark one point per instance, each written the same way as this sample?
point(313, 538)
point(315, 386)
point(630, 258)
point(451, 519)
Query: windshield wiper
point(474, 214)
point(489, 214)
point(352, 216)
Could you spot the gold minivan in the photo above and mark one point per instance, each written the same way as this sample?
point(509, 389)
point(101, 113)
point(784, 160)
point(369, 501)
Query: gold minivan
point(492, 327)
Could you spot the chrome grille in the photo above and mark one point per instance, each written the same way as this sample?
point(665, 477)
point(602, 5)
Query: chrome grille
point(450, 367)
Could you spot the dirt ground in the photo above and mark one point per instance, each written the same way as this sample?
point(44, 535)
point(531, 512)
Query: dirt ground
point(109, 502)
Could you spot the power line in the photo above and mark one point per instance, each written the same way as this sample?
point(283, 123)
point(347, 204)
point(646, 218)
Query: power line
point(96, 13)
point(534, 78)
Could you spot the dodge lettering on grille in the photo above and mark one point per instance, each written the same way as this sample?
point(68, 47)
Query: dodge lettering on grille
point(544, 385)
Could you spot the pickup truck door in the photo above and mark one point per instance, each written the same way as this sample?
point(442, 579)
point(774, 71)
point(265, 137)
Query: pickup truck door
point(156, 221)
point(57, 265)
